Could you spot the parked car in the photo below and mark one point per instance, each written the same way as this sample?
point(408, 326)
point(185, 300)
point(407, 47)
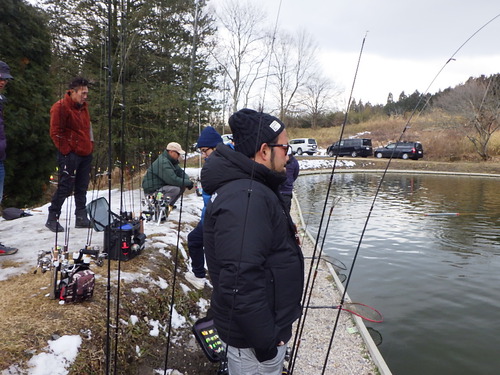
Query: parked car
point(353, 147)
point(303, 146)
point(403, 150)
point(227, 138)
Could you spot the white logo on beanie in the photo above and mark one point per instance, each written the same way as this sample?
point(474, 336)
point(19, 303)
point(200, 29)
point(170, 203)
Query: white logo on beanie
point(275, 125)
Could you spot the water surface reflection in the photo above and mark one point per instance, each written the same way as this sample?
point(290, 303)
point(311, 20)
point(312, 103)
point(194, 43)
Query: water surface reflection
point(436, 278)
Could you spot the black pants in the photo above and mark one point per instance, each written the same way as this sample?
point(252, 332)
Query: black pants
point(74, 176)
point(287, 197)
point(196, 252)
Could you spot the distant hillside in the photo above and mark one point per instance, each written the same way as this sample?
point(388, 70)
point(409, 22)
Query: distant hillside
point(441, 141)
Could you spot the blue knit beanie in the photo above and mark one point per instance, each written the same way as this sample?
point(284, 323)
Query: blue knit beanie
point(208, 138)
point(251, 129)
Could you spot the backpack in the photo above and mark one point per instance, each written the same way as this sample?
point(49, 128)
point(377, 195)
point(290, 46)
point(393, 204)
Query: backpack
point(12, 213)
point(78, 287)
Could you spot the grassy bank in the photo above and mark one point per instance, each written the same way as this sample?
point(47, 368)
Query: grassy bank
point(441, 142)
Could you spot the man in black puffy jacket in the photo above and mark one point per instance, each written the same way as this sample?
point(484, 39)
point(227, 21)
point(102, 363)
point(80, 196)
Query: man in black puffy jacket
point(254, 260)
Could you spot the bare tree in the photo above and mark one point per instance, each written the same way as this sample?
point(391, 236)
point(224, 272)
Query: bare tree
point(477, 105)
point(293, 62)
point(242, 49)
point(317, 97)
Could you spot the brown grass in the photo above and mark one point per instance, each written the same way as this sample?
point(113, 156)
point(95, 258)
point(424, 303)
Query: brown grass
point(30, 318)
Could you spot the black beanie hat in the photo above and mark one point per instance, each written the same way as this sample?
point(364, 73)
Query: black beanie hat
point(247, 136)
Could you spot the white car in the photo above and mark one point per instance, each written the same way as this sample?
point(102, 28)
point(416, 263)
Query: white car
point(303, 146)
point(227, 138)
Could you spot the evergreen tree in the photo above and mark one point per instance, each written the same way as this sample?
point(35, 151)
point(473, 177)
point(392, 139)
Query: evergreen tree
point(151, 47)
point(25, 45)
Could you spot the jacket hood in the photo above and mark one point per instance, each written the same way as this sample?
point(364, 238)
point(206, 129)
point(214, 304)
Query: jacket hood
point(225, 165)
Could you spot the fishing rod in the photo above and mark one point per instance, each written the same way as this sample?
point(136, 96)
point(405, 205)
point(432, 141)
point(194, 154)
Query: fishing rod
point(109, 70)
point(309, 285)
point(179, 227)
point(122, 163)
point(297, 340)
point(223, 350)
point(382, 180)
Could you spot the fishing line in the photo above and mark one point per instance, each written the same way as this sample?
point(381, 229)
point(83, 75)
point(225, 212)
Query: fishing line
point(452, 58)
point(359, 309)
point(122, 163)
point(108, 77)
point(186, 143)
point(249, 192)
point(380, 186)
point(309, 286)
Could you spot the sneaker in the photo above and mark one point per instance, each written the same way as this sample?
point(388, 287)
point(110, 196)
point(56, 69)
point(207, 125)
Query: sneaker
point(197, 282)
point(5, 250)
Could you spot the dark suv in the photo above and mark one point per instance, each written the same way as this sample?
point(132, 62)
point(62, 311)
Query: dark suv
point(353, 147)
point(403, 150)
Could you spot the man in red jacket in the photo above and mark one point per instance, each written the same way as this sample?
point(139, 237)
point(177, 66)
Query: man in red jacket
point(71, 132)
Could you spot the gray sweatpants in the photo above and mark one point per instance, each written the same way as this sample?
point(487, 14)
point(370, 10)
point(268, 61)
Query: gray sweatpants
point(244, 362)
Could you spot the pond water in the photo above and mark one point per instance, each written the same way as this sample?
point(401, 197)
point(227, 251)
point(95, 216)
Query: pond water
point(434, 275)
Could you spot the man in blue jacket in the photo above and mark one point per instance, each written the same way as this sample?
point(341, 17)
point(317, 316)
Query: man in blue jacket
point(207, 141)
point(254, 260)
point(286, 188)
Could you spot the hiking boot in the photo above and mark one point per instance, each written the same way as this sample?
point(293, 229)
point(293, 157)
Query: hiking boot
point(82, 222)
point(6, 250)
point(53, 224)
point(81, 219)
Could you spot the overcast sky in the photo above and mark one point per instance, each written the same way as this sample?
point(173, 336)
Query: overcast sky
point(407, 43)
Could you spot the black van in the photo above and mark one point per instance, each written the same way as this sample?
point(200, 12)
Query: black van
point(353, 147)
point(403, 150)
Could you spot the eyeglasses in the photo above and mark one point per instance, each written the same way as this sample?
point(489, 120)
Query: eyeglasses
point(284, 146)
point(205, 150)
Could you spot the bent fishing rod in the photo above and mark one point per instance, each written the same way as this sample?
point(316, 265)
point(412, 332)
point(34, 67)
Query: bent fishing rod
point(377, 192)
point(315, 261)
point(223, 368)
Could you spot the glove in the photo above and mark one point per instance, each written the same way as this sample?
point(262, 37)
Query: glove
point(263, 355)
point(190, 186)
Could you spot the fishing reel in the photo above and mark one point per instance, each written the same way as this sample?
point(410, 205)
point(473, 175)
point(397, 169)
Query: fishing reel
point(198, 188)
point(88, 254)
point(44, 261)
point(288, 357)
point(47, 259)
point(156, 206)
point(57, 257)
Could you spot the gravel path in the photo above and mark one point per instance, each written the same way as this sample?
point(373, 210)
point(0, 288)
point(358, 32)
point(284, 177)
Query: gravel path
point(352, 350)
